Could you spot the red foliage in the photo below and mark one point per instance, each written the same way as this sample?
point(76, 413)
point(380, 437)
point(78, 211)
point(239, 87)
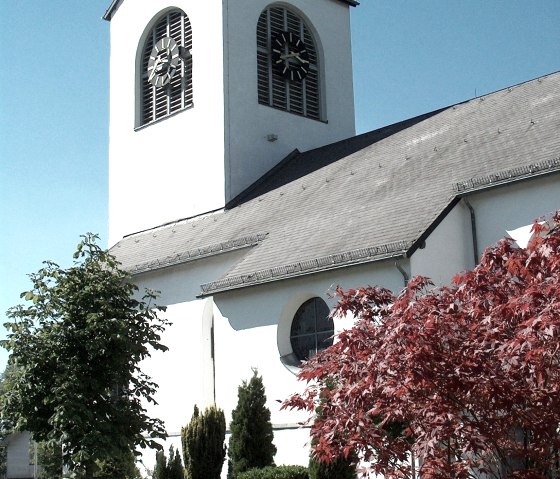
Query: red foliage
point(467, 376)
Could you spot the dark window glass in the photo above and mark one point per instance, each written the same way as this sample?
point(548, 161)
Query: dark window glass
point(312, 329)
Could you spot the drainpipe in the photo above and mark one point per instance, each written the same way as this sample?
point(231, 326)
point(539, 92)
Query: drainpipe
point(473, 230)
point(405, 276)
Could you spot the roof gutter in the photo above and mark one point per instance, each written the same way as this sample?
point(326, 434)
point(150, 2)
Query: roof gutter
point(305, 268)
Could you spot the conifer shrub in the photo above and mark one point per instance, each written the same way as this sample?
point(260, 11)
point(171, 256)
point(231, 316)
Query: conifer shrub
point(203, 441)
point(160, 469)
point(175, 465)
point(273, 472)
point(171, 468)
point(338, 469)
point(250, 443)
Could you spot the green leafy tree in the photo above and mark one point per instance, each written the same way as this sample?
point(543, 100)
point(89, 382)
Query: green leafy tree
point(203, 444)
point(250, 443)
point(49, 455)
point(118, 467)
point(76, 351)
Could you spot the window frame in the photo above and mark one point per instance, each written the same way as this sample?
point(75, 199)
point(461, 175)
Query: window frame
point(156, 104)
point(318, 305)
point(303, 98)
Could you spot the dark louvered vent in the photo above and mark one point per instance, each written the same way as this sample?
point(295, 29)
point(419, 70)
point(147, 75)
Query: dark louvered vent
point(302, 98)
point(157, 103)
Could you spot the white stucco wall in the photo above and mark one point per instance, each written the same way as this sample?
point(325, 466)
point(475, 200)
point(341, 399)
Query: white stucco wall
point(448, 250)
point(21, 457)
point(509, 207)
point(199, 158)
point(171, 169)
point(248, 153)
point(251, 331)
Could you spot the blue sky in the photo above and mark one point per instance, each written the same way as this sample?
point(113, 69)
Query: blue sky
point(410, 57)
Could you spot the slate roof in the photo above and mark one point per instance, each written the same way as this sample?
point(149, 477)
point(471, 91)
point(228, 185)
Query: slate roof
point(369, 197)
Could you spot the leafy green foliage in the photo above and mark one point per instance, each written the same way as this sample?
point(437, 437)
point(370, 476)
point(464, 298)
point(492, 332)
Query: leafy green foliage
point(273, 472)
point(75, 352)
point(121, 467)
point(203, 439)
point(49, 457)
point(472, 371)
point(3, 429)
point(250, 444)
point(3, 459)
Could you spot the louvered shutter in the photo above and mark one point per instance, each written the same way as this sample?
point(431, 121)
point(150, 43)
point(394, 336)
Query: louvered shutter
point(302, 98)
point(157, 103)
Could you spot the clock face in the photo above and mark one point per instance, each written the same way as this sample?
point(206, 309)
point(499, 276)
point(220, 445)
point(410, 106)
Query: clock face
point(289, 56)
point(163, 62)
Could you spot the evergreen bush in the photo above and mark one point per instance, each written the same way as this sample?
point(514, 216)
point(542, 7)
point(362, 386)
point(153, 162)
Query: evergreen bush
point(338, 469)
point(272, 472)
point(203, 440)
point(171, 468)
point(174, 465)
point(160, 469)
point(250, 443)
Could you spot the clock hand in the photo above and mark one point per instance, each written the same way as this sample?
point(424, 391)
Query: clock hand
point(296, 55)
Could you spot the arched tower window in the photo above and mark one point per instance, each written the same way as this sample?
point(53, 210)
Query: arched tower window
point(312, 329)
point(166, 68)
point(287, 63)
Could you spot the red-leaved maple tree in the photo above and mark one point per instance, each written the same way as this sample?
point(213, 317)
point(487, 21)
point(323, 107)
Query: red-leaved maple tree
point(466, 377)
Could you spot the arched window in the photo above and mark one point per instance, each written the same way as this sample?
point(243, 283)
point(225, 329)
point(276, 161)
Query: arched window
point(287, 63)
point(166, 68)
point(312, 329)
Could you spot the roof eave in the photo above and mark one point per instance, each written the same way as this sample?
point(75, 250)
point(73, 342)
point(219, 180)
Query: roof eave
point(111, 10)
point(115, 4)
point(292, 271)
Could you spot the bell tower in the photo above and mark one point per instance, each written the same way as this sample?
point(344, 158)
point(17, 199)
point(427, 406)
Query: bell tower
point(206, 97)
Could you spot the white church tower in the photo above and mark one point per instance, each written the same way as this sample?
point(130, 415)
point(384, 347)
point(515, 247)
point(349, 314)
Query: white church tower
point(206, 97)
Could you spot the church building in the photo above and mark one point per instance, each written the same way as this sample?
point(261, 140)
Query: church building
point(239, 189)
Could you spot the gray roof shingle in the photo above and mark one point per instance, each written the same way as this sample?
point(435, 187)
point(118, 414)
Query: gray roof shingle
point(365, 198)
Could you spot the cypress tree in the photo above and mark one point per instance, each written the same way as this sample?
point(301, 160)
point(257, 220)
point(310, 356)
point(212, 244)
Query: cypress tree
point(250, 444)
point(203, 444)
point(160, 469)
point(174, 467)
